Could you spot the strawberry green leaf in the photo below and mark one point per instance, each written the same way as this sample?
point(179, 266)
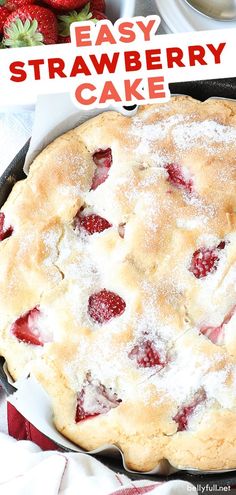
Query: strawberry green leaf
point(67, 19)
point(19, 34)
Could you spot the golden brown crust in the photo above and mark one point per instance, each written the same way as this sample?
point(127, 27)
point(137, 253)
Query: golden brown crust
point(47, 263)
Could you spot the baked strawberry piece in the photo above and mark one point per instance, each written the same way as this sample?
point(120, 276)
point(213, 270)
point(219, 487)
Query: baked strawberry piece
point(30, 25)
point(185, 413)
point(98, 5)
point(105, 305)
point(176, 177)
point(94, 399)
point(91, 224)
point(217, 334)
point(121, 230)
point(4, 232)
point(26, 329)
point(205, 260)
point(103, 162)
point(146, 355)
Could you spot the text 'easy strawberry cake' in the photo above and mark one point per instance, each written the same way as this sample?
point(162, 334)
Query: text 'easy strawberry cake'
point(118, 283)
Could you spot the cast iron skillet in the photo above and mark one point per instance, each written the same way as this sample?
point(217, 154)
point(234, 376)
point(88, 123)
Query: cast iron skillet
point(197, 89)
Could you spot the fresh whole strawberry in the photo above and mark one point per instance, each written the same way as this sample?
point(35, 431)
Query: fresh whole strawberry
point(86, 14)
point(64, 39)
point(98, 5)
point(4, 13)
point(98, 16)
point(67, 5)
point(15, 4)
point(30, 25)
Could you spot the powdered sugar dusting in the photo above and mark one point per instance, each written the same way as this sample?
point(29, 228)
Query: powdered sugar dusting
point(151, 133)
point(202, 134)
point(41, 327)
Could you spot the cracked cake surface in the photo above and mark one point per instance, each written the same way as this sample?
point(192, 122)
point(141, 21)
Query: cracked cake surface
point(118, 283)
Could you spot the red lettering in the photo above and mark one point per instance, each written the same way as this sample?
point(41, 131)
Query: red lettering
point(196, 54)
point(216, 51)
point(153, 59)
point(80, 67)
point(156, 87)
point(146, 29)
point(36, 65)
point(132, 61)
point(128, 35)
point(109, 93)
point(131, 90)
point(16, 68)
point(105, 35)
point(174, 56)
point(55, 67)
point(105, 62)
point(79, 94)
point(82, 36)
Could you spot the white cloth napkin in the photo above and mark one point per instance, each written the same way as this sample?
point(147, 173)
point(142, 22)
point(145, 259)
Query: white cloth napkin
point(26, 470)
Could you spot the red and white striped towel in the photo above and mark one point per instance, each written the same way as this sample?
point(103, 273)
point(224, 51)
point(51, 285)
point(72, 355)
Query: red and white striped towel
point(32, 465)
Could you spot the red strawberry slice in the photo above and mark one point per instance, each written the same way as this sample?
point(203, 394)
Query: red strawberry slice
point(217, 334)
point(25, 328)
point(105, 305)
point(176, 177)
point(94, 399)
point(184, 414)
point(146, 355)
point(4, 232)
point(103, 162)
point(92, 224)
point(205, 261)
point(98, 5)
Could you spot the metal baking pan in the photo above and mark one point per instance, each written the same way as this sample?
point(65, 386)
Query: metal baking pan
point(201, 90)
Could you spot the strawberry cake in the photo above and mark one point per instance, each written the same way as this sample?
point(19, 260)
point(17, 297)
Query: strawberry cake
point(118, 283)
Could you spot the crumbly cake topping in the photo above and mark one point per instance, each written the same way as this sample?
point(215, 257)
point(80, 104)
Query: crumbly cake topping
point(125, 259)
